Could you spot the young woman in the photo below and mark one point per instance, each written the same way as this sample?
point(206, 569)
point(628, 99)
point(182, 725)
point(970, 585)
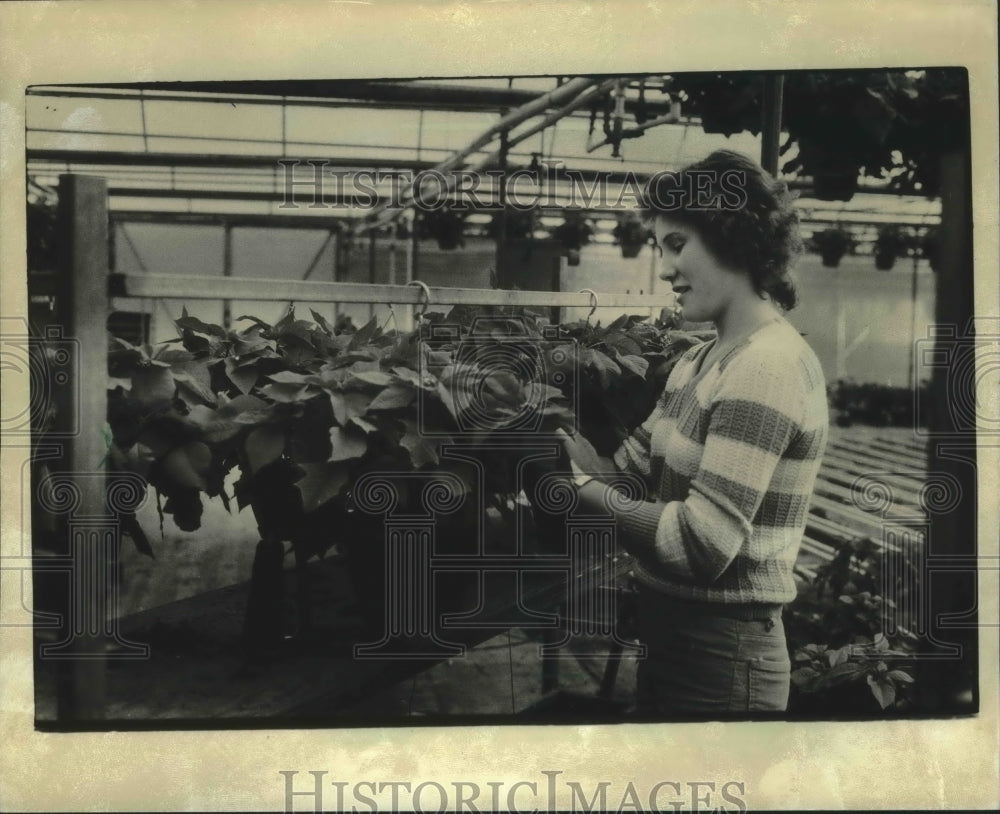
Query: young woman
point(729, 455)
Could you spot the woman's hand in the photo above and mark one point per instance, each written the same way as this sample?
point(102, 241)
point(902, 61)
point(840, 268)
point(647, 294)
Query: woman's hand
point(584, 457)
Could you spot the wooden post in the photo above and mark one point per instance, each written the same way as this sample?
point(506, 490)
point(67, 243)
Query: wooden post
point(771, 104)
point(950, 685)
point(82, 412)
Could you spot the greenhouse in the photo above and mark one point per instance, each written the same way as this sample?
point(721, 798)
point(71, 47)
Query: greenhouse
point(316, 332)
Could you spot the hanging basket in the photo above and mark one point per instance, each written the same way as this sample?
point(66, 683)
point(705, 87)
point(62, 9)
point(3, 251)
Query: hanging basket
point(832, 245)
point(631, 235)
point(890, 244)
point(446, 227)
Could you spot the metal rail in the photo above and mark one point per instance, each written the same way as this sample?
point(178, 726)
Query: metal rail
point(192, 287)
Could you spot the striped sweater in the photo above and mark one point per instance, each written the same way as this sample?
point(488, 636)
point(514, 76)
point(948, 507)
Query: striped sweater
point(730, 456)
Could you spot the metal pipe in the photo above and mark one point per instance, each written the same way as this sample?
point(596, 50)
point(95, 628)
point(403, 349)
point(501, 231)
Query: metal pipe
point(199, 287)
point(227, 271)
point(512, 119)
point(494, 158)
point(587, 95)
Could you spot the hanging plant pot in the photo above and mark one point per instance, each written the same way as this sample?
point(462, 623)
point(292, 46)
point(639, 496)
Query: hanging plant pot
point(832, 245)
point(631, 235)
point(885, 261)
point(517, 224)
point(446, 226)
point(890, 244)
point(631, 249)
point(573, 233)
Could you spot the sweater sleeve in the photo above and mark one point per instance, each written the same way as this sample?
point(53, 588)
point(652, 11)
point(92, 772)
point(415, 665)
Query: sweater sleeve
point(757, 404)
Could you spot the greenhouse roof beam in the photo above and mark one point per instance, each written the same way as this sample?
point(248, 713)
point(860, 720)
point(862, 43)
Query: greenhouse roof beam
point(324, 93)
point(143, 159)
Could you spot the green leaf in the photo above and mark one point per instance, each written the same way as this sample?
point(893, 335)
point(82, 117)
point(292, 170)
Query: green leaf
point(619, 324)
point(195, 374)
point(346, 445)
point(582, 452)
point(288, 377)
point(258, 323)
point(839, 656)
point(263, 446)
point(286, 393)
point(422, 450)
point(321, 483)
point(253, 344)
point(505, 386)
point(321, 321)
point(152, 386)
point(394, 397)
point(602, 364)
point(365, 425)
point(444, 393)
point(364, 335)
point(633, 363)
point(215, 428)
point(412, 377)
point(285, 321)
point(371, 377)
point(194, 324)
point(884, 692)
point(243, 376)
point(539, 392)
point(900, 675)
point(348, 405)
point(245, 409)
point(188, 465)
point(845, 670)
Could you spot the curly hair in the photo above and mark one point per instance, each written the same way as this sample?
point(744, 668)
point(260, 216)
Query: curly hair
point(742, 214)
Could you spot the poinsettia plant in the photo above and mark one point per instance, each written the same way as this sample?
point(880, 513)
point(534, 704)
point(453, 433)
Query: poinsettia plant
point(846, 652)
point(300, 411)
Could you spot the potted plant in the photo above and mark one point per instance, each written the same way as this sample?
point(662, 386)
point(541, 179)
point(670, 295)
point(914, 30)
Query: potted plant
point(832, 244)
point(445, 225)
point(517, 224)
point(301, 413)
point(573, 233)
point(631, 234)
point(890, 244)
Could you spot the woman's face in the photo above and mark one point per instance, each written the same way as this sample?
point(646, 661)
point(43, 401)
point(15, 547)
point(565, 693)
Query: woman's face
point(705, 288)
